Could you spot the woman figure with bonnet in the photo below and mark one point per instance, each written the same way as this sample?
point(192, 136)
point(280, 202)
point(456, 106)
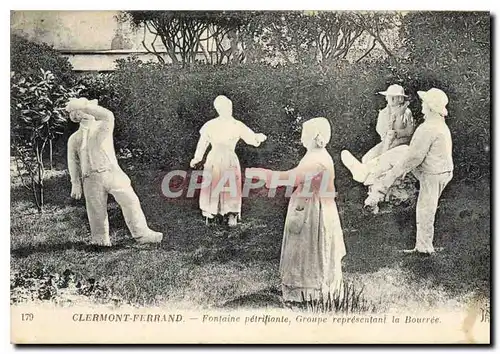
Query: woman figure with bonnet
point(395, 126)
point(220, 193)
point(313, 243)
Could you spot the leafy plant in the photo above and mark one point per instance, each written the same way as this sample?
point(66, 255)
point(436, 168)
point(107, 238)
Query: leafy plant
point(457, 60)
point(101, 87)
point(42, 284)
point(37, 118)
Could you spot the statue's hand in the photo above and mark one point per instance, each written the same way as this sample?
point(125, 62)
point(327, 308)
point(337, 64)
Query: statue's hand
point(261, 138)
point(391, 134)
point(193, 163)
point(76, 191)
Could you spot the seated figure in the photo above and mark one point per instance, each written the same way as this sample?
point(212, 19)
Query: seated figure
point(395, 126)
point(428, 157)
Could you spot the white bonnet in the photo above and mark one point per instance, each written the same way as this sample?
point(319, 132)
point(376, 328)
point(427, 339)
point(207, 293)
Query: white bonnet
point(319, 128)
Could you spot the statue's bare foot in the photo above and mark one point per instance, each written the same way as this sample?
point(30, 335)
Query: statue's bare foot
point(103, 242)
point(151, 237)
point(232, 221)
point(358, 170)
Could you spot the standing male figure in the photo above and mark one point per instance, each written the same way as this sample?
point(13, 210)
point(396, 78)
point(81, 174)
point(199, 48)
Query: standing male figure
point(92, 162)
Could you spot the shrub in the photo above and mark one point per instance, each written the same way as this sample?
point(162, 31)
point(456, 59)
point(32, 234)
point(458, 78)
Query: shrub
point(42, 284)
point(160, 110)
point(27, 58)
point(37, 118)
point(101, 87)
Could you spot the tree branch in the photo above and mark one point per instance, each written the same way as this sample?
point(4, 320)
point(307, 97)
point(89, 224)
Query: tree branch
point(158, 56)
point(368, 51)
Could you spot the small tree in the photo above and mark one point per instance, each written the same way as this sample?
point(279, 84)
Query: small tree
point(37, 118)
point(183, 34)
point(178, 31)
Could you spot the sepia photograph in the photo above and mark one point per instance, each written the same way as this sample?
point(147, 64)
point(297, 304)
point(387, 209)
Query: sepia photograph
point(238, 177)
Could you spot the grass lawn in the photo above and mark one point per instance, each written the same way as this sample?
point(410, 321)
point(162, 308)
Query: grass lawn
point(214, 266)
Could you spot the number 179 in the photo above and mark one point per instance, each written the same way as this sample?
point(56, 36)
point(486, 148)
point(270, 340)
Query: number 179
point(27, 317)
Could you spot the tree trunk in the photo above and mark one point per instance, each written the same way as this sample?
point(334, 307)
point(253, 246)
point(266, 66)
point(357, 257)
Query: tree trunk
point(41, 189)
point(368, 51)
point(205, 53)
point(233, 39)
point(39, 177)
point(50, 154)
point(35, 193)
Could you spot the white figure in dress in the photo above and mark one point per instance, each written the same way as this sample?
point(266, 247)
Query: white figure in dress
point(222, 194)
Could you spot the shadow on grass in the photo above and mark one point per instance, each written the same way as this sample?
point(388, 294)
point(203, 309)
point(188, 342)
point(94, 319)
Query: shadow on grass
point(458, 270)
point(372, 242)
point(244, 243)
point(57, 188)
point(462, 230)
point(58, 247)
point(266, 298)
point(463, 239)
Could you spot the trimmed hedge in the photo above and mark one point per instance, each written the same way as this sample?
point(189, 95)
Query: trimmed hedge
point(160, 110)
point(452, 49)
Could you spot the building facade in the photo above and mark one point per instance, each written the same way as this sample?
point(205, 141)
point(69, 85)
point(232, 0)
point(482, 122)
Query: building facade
point(91, 40)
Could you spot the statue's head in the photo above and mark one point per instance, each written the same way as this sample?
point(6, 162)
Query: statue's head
point(434, 101)
point(395, 95)
point(75, 108)
point(223, 106)
point(316, 133)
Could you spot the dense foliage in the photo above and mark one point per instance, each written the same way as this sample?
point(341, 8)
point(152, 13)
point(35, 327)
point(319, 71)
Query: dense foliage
point(37, 118)
point(27, 58)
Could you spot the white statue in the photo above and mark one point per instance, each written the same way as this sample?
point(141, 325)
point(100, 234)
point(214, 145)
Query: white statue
point(222, 167)
point(395, 124)
point(313, 241)
point(428, 157)
point(92, 163)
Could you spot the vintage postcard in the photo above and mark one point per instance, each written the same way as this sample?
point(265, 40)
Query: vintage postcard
point(250, 177)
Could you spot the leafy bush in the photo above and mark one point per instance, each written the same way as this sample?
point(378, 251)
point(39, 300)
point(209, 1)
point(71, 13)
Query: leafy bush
point(100, 86)
point(41, 284)
point(27, 58)
point(37, 118)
